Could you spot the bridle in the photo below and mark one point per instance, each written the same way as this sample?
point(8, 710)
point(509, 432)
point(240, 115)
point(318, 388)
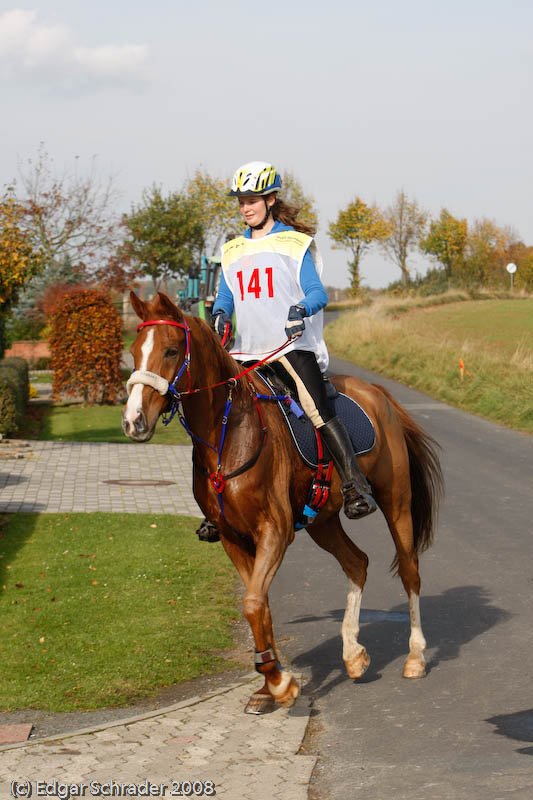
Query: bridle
point(156, 381)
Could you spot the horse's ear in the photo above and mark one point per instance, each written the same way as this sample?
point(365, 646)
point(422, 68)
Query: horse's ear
point(168, 306)
point(139, 306)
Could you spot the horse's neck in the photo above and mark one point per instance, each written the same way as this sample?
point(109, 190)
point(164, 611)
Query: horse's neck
point(210, 365)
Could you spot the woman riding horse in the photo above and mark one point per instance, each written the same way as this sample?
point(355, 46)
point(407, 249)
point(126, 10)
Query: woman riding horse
point(248, 479)
point(271, 279)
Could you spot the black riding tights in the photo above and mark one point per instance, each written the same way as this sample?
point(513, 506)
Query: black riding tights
point(303, 368)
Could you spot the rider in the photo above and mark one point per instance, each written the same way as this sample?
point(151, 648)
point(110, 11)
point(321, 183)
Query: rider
point(271, 279)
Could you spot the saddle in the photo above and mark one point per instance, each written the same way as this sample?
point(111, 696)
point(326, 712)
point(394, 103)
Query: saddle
point(355, 419)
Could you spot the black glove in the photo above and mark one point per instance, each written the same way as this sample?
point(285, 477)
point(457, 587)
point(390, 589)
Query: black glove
point(295, 323)
point(220, 320)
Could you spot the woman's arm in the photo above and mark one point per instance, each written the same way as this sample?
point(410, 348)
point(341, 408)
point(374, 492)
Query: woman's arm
point(224, 301)
point(315, 295)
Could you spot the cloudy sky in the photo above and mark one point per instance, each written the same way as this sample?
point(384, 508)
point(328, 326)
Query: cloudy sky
point(355, 98)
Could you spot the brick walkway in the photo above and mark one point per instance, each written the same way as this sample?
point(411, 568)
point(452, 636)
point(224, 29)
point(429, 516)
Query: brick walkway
point(205, 739)
point(70, 476)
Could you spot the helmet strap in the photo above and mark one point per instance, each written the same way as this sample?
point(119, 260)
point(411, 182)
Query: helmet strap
point(268, 210)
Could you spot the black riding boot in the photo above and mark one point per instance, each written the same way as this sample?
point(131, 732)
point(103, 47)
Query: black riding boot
point(207, 532)
point(358, 500)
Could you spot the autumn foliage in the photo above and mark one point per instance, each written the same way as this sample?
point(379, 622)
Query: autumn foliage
point(86, 345)
point(19, 260)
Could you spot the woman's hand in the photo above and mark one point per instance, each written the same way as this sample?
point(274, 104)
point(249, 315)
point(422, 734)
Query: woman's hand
point(295, 323)
point(220, 321)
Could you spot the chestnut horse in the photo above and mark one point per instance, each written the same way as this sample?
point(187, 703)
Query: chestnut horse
point(254, 488)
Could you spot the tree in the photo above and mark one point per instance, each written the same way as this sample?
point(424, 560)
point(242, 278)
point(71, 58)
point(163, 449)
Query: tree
point(356, 228)
point(70, 216)
point(522, 256)
point(489, 249)
point(19, 259)
point(446, 242)
point(406, 223)
point(217, 213)
point(165, 236)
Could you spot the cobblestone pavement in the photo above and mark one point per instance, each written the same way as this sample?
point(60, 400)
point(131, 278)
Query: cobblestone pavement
point(203, 739)
point(70, 476)
point(208, 739)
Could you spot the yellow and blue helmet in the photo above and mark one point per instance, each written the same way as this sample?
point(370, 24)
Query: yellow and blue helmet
point(256, 178)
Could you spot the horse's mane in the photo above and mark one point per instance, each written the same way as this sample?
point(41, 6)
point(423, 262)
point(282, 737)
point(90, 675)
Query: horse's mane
point(201, 330)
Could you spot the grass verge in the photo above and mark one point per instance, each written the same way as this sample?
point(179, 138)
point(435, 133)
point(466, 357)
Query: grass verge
point(422, 349)
point(102, 609)
point(76, 423)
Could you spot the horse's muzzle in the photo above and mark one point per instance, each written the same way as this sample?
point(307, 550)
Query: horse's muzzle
point(137, 427)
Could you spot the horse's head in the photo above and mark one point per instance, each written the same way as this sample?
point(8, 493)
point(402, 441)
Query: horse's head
point(159, 351)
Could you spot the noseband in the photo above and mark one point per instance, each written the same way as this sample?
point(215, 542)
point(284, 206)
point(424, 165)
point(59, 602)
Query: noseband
point(157, 382)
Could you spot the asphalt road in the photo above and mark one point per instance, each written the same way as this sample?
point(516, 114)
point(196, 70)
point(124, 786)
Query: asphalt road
point(465, 731)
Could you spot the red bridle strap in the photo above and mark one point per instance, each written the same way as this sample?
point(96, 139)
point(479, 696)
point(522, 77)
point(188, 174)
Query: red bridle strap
point(161, 322)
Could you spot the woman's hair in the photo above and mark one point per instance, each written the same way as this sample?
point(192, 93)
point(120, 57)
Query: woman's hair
point(288, 215)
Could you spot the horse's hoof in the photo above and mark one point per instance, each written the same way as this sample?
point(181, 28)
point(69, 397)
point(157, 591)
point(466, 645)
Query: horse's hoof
point(414, 667)
point(288, 699)
point(260, 704)
point(358, 665)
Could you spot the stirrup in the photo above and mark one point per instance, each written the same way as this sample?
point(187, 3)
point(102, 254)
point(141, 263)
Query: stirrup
point(207, 532)
point(357, 504)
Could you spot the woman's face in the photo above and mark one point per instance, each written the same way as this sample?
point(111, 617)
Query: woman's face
point(253, 208)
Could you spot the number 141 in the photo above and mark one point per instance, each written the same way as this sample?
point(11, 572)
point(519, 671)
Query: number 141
point(254, 284)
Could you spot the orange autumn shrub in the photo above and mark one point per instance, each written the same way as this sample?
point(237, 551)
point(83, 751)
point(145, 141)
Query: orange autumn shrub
point(86, 346)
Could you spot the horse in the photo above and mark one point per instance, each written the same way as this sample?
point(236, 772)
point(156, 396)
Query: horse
point(253, 488)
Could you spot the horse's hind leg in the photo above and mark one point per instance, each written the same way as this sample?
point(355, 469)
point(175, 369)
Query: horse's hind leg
point(330, 536)
point(401, 527)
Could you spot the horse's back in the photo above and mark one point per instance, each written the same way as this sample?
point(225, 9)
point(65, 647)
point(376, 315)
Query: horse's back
point(368, 395)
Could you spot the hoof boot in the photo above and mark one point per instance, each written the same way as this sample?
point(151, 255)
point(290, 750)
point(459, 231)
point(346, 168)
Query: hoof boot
point(207, 532)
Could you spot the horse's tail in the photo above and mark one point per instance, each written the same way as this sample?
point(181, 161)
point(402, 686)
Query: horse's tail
point(427, 483)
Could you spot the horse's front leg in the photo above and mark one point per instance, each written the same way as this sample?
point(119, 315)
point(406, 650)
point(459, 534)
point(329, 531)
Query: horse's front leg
point(262, 701)
point(280, 684)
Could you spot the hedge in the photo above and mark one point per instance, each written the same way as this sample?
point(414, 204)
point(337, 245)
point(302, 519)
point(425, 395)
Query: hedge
point(14, 394)
point(86, 345)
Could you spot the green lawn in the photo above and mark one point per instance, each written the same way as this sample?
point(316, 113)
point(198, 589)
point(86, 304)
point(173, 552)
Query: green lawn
point(423, 347)
point(500, 325)
point(76, 423)
point(101, 609)
point(41, 377)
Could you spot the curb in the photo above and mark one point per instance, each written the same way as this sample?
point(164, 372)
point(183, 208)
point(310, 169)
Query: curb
point(191, 701)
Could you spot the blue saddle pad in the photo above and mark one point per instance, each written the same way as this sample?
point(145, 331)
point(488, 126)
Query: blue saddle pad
point(355, 419)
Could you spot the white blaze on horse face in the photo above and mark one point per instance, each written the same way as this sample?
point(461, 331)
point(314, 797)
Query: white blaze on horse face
point(350, 624)
point(135, 400)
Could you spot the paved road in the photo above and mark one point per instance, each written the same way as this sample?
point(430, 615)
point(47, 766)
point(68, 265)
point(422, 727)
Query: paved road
point(466, 731)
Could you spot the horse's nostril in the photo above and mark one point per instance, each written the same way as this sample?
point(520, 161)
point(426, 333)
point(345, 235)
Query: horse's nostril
point(139, 423)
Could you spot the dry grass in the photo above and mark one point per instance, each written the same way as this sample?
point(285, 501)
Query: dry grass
point(422, 349)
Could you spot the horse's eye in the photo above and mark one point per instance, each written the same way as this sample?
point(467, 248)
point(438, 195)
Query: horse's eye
point(171, 352)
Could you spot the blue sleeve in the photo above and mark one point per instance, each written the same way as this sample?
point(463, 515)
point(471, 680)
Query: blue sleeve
point(315, 295)
point(224, 301)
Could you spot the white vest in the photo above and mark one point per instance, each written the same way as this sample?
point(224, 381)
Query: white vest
point(264, 278)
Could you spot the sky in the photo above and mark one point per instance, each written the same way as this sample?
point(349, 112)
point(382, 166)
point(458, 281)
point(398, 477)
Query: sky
point(354, 98)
